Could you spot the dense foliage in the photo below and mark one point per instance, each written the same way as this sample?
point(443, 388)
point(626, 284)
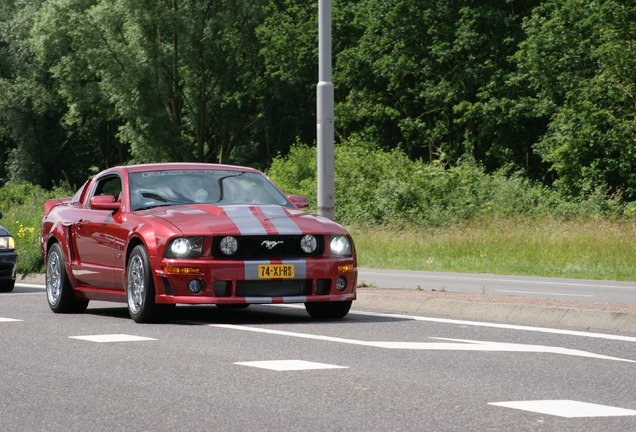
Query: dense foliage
point(380, 187)
point(537, 90)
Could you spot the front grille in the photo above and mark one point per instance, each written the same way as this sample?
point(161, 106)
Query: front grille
point(254, 247)
point(271, 288)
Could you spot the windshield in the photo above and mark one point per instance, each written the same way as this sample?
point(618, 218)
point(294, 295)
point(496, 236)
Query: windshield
point(220, 187)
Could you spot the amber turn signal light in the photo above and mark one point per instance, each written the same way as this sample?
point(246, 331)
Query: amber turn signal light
point(182, 270)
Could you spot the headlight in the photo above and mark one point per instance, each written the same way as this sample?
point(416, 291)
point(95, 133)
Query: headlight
point(308, 243)
point(341, 246)
point(7, 243)
point(228, 245)
point(185, 247)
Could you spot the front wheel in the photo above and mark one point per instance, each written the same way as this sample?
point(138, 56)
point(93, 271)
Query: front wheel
point(328, 309)
point(7, 285)
point(140, 289)
point(59, 292)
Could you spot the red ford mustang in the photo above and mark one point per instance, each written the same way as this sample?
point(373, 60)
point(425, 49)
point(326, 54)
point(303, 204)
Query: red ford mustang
point(164, 234)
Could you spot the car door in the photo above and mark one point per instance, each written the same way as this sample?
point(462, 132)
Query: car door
point(97, 237)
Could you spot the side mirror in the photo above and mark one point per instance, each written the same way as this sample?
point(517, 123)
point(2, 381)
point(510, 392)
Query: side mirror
point(0, 215)
point(299, 201)
point(105, 202)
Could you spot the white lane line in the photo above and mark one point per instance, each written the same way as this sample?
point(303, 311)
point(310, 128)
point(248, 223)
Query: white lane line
point(454, 345)
point(289, 365)
point(500, 326)
point(112, 338)
point(9, 320)
point(481, 324)
point(566, 408)
point(544, 293)
point(362, 274)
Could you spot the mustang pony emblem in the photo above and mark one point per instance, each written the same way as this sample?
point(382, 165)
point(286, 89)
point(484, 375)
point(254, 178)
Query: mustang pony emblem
point(271, 244)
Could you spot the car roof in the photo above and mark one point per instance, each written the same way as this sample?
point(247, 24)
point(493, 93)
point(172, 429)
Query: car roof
point(181, 165)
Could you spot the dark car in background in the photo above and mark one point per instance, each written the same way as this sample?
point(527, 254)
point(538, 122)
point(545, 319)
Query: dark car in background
point(8, 259)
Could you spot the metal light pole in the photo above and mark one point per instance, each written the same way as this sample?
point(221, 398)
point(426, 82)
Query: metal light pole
point(324, 120)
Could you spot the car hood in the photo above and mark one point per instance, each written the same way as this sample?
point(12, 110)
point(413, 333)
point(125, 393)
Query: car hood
point(203, 219)
point(4, 232)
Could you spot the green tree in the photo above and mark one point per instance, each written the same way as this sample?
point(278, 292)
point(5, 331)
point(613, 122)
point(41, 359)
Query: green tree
point(542, 88)
point(578, 58)
point(424, 74)
point(288, 38)
point(164, 80)
point(289, 47)
point(62, 43)
point(34, 146)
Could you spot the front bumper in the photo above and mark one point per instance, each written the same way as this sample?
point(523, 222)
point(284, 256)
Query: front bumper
point(7, 265)
point(238, 282)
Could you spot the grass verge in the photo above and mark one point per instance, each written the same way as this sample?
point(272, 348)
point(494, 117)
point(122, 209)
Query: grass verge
point(600, 249)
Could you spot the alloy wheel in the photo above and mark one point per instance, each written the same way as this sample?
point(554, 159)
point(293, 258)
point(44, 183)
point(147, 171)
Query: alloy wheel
point(136, 285)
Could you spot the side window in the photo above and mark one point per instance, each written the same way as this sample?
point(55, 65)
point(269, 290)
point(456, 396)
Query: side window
point(108, 186)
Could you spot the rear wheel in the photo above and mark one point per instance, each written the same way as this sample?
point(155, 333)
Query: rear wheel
point(140, 289)
point(59, 292)
point(328, 309)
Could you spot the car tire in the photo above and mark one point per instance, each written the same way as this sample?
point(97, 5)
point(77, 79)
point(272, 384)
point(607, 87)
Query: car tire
point(59, 293)
point(7, 285)
point(140, 290)
point(328, 310)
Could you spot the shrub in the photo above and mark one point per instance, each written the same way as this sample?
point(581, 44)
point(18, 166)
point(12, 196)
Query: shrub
point(22, 205)
point(382, 187)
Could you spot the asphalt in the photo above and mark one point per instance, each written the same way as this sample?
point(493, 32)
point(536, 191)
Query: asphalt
point(615, 318)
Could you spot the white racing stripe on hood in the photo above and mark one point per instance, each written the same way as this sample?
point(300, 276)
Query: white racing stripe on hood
point(248, 224)
point(281, 220)
point(245, 221)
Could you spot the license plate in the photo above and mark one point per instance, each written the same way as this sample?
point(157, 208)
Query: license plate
point(275, 271)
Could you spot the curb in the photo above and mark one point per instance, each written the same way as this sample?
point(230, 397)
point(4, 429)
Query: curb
point(501, 309)
point(31, 278)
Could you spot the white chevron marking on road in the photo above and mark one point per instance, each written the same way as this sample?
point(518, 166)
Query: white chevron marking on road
point(455, 345)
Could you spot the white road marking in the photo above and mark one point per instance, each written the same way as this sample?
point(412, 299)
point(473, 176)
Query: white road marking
point(567, 408)
point(482, 324)
point(499, 326)
point(112, 338)
point(289, 365)
point(8, 320)
point(456, 345)
point(544, 293)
